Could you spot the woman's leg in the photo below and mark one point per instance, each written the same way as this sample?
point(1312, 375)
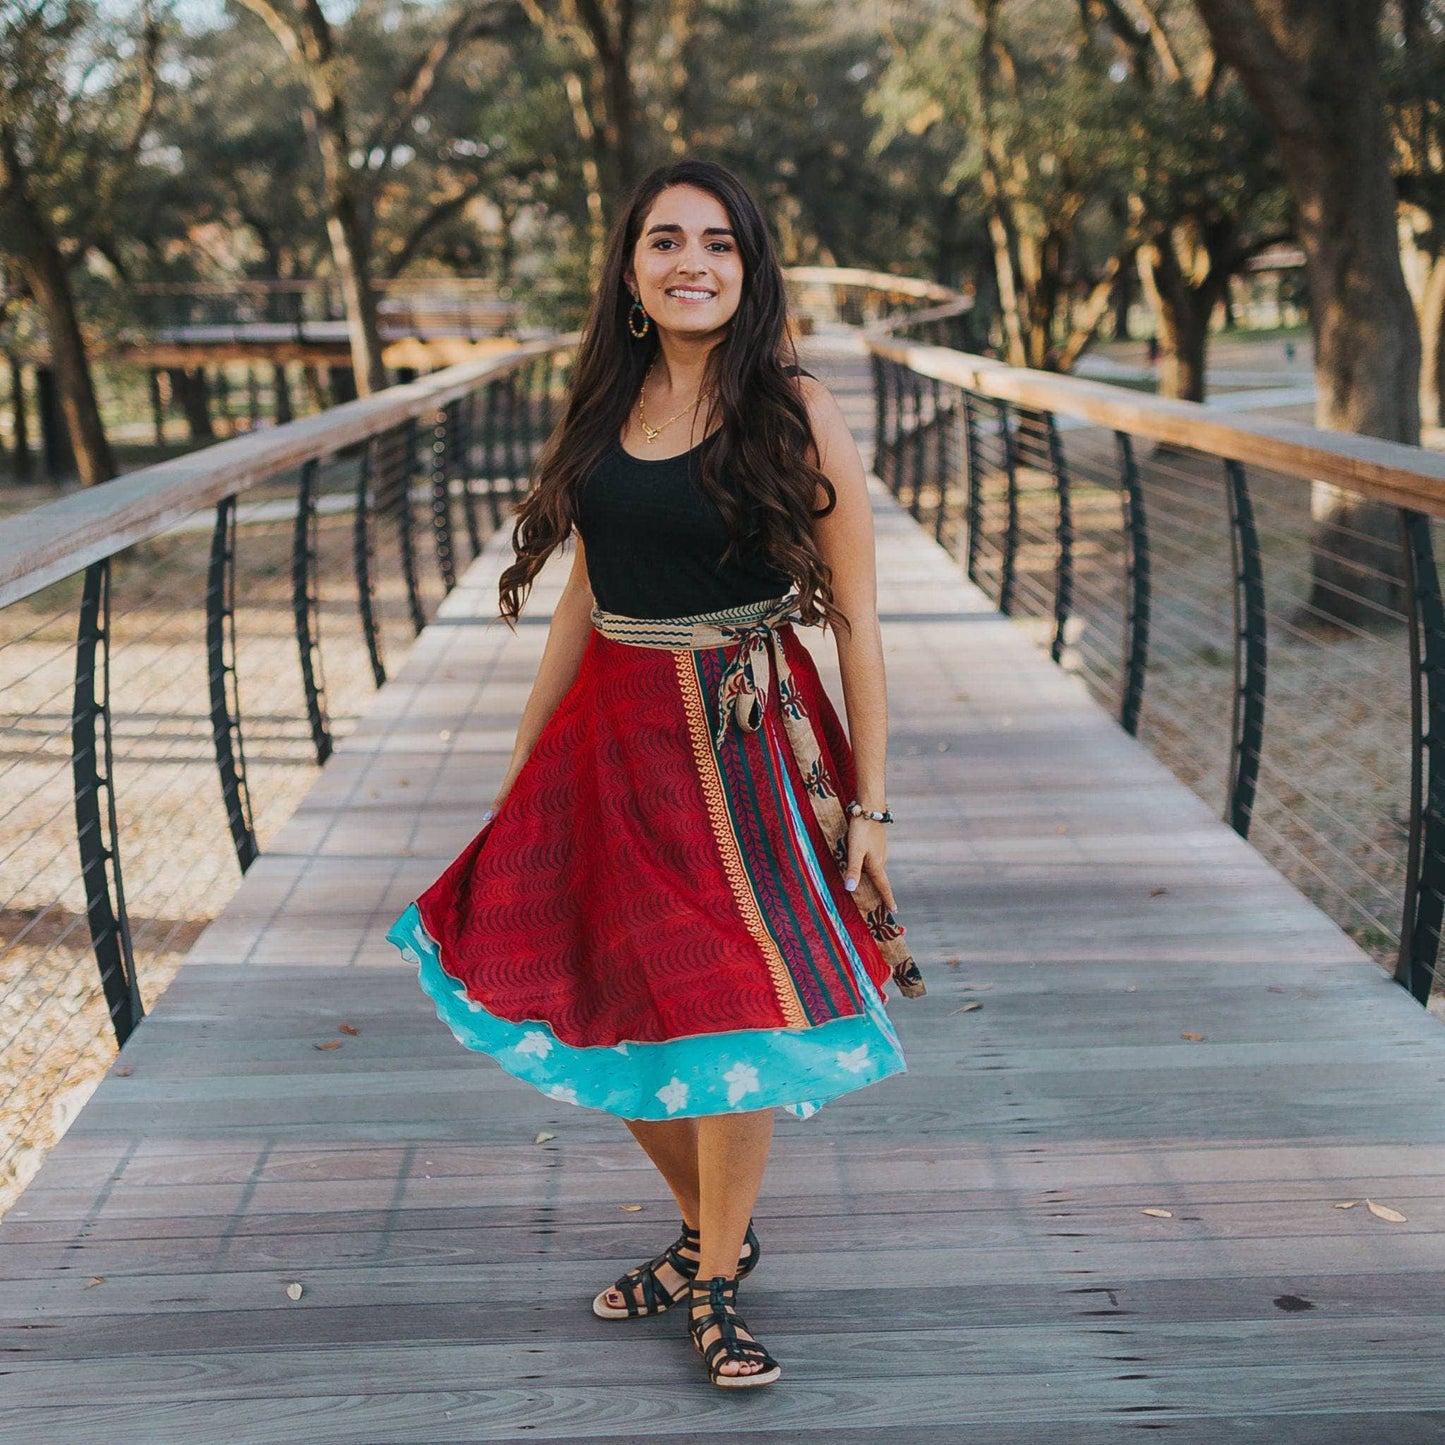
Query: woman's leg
point(732, 1154)
point(671, 1144)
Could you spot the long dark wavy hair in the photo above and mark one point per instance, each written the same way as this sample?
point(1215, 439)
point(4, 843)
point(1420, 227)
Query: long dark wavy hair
point(757, 466)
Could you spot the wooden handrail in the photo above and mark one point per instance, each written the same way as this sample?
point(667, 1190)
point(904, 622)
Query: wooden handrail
point(60, 538)
point(1403, 476)
point(906, 286)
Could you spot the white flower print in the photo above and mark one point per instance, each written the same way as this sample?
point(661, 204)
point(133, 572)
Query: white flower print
point(562, 1093)
point(855, 1060)
point(741, 1079)
point(535, 1042)
point(620, 1049)
point(410, 954)
point(674, 1095)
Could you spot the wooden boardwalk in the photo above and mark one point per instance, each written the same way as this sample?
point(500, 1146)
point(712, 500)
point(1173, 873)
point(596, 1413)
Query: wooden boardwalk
point(960, 1254)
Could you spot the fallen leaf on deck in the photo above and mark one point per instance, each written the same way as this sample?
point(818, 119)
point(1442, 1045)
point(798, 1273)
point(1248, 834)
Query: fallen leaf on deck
point(968, 1008)
point(631, 1208)
point(979, 987)
point(1383, 1211)
point(349, 1029)
point(1274, 988)
point(1193, 1038)
point(1158, 1213)
point(293, 1291)
point(1348, 1204)
point(95, 1279)
point(329, 1044)
point(543, 1138)
point(1157, 892)
point(125, 1071)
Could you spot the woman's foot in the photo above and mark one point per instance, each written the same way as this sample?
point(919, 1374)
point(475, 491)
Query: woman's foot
point(734, 1359)
point(654, 1287)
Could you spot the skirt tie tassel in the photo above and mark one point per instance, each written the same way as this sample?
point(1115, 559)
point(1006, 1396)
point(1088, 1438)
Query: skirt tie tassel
point(743, 697)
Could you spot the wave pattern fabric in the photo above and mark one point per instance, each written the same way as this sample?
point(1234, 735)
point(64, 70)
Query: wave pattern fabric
point(654, 923)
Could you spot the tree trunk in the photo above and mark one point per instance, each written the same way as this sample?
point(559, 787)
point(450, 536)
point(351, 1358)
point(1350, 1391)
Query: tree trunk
point(281, 393)
point(20, 419)
point(190, 390)
point(1312, 69)
point(43, 269)
point(1122, 301)
point(1432, 345)
point(351, 254)
point(1182, 314)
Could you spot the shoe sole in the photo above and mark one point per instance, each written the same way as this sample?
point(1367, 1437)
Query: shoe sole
point(748, 1382)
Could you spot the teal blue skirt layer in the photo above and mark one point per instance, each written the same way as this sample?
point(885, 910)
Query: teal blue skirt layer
point(795, 1069)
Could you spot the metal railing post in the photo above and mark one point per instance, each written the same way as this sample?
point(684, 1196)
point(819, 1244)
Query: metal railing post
point(919, 447)
point(459, 464)
point(1008, 563)
point(880, 407)
point(945, 417)
point(441, 500)
point(96, 829)
point(362, 557)
point(1250, 658)
point(224, 683)
point(1064, 573)
point(1424, 894)
point(306, 609)
point(1137, 594)
point(406, 527)
point(973, 507)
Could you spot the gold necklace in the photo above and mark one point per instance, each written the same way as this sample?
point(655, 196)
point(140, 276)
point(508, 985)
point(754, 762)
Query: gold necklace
point(651, 433)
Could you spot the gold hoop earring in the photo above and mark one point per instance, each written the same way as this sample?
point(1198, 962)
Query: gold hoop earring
point(633, 313)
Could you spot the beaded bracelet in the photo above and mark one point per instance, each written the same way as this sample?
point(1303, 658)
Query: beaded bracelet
point(855, 809)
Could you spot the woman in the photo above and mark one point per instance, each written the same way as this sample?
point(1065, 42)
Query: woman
point(677, 909)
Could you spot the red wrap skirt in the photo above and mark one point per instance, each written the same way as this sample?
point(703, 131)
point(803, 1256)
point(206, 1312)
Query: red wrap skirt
point(655, 921)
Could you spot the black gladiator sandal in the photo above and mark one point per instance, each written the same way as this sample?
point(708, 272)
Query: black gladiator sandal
point(720, 1293)
point(644, 1281)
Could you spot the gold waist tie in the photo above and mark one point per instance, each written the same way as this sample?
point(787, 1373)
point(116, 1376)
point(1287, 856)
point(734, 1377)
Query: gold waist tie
point(742, 698)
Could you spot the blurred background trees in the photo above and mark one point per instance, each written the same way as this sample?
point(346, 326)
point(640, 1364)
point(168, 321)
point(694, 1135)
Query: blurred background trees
point(1082, 166)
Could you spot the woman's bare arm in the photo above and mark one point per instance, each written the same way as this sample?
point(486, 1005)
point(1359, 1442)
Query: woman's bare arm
point(845, 539)
point(561, 657)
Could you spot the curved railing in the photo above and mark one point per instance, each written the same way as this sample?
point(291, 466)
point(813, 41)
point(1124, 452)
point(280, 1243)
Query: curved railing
point(179, 650)
point(881, 305)
point(1258, 600)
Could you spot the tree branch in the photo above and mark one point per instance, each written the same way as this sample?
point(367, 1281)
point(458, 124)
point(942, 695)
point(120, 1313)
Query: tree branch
point(403, 255)
point(420, 79)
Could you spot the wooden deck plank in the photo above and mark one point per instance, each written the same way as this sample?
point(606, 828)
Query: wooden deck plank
point(958, 1250)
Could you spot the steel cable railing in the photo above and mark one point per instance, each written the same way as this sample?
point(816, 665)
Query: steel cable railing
point(1291, 671)
point(179, 650)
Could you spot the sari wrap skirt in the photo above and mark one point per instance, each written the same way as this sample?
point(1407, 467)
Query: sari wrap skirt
point(654, 922)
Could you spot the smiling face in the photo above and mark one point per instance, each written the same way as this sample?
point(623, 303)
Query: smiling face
point(686, 269)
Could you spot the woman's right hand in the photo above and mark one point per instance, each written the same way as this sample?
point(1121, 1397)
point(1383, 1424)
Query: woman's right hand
point(497, 802)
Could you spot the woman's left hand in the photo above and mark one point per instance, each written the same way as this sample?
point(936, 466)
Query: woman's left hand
point(868, 849)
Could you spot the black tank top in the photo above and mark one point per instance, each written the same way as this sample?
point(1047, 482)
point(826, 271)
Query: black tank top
point(655, 540)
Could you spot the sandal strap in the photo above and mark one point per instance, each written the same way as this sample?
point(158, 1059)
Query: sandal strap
point(643, 1278)
point(723, 1317)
